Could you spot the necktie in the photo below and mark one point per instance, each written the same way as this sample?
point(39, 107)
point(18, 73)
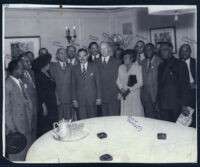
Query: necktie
point(22, 88)
point(64, 66)
point(150, 65)
point(104, 61)
point(83, 72)
point(30, 79)
point(139, 58)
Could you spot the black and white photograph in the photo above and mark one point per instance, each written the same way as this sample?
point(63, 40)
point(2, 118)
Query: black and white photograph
point(99, 84)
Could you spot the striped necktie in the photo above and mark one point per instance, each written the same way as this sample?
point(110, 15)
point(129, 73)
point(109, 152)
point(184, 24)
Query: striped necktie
point(22, 88)
point(84, 72)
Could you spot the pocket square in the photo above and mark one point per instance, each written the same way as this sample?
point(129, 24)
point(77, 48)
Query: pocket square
point(91, 74)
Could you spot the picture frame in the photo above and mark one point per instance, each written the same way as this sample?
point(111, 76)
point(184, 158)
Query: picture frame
point(16, 45)
point(164, 34)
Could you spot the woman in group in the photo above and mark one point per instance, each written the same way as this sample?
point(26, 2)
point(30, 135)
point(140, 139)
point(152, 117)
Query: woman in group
point(48, 113)
point(129, 82)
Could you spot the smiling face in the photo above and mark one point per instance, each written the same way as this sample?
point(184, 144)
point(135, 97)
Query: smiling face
point(139, 47)
point(149, 51)
point(27, 62)
point(71, 52)
point(94, 49)
point(61, 55)
point(165, 52)
point(185, 52)
point(105, 49)
point(82, 57)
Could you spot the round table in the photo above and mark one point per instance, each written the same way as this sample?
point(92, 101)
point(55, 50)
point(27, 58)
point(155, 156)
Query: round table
point(129, 140)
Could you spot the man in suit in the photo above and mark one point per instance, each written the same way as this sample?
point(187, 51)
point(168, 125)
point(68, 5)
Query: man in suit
point(150, 80)
point(71, 55)
point(173, 85)
point(31, 55)
point(139, 47)
point(29, 80)
point(17, 107)
point(61, 73)
point(185, 55)
point(86, 86)
point(94, 52)
point(108, 66)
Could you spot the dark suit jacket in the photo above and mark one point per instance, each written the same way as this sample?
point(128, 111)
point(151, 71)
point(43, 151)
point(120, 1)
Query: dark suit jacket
point(173, 84)
point(16, 108)
point(193, 68)
point(109, 74)
point(62, 79)
point(150, 79)
point(86, 91)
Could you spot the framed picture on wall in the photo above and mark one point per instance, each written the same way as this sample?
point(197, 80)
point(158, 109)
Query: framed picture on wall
point(164, 34)
point(16, 45)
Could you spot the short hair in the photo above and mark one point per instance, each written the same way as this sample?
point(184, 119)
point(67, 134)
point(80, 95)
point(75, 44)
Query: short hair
point(92, 43)
point(82, 50)
point(150, 45)
point(13, 65)
point(169, 44)
point(132, 53)
point(107, 43)
point(29, 52)
point(71, 46)
point(58, 50)
point(141, 42)
point(42, 49)
point(187, 46)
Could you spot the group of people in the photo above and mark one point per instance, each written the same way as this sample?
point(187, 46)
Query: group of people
point(146, 81)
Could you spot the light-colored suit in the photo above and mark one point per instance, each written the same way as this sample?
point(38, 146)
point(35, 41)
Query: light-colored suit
point(62, 77)
point(31, 90)
point(17, 108)
point(150, 85)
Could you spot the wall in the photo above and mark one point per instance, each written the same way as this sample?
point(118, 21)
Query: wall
point(50, 25)
point(142, 22)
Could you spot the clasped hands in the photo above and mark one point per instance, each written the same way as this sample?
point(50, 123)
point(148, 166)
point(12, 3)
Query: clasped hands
point(124, 93)
point(75, 102)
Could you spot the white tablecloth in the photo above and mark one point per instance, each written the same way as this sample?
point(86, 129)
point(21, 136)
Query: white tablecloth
point(124, 142)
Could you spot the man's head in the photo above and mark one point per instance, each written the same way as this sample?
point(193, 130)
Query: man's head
point(185, 52)
point(61, 55)
point(43, 51)
point(31, 55)
point(149, 50)
point(166, 50)
point(16, 68)
point(82, 55)
point(26, 60)
point(71, 51)
point(93, 48)
point(119, 53)
point(106, 49)
point(139, 47)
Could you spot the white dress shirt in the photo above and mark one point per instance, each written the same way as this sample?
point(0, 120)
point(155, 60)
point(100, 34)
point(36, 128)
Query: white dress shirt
point(17, 81)
point(105, 58)
point(72, 61)
point(190, 74)
point(97, 56)
point(62, 64)
point(85, 65)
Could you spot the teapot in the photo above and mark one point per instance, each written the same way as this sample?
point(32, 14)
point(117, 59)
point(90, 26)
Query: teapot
point(61, 128)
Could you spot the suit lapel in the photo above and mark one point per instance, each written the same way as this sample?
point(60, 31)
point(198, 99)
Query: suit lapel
point(16, 86)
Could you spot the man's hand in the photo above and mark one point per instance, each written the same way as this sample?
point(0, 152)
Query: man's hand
point(75, 103)
point(185, 111)
point(45, 111)
point(98, 102)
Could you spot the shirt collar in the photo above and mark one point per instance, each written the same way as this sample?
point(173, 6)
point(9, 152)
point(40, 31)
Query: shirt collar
point(106, 58)
point(17, 81)
point(85, 65)
point(72, 60)
point(97, 56)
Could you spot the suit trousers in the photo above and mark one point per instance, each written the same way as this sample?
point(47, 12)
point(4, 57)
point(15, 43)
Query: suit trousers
point(169, 114)
point(87, 111)
point(22, 155)
point(149, 108)
point(64, 111)
point(111, 108)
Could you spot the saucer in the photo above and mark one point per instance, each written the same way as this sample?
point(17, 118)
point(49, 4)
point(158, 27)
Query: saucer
point(82, 134)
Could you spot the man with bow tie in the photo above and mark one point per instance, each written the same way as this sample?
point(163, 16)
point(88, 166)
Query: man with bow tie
point(86, 86)
point(17, 107)
point(29, 80)
point(94, 52)
point(150, 80)
point(173, 85)
point(61, 73)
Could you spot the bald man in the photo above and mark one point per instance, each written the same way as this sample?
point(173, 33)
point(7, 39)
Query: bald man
point(61, 73)
point(108, 66)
